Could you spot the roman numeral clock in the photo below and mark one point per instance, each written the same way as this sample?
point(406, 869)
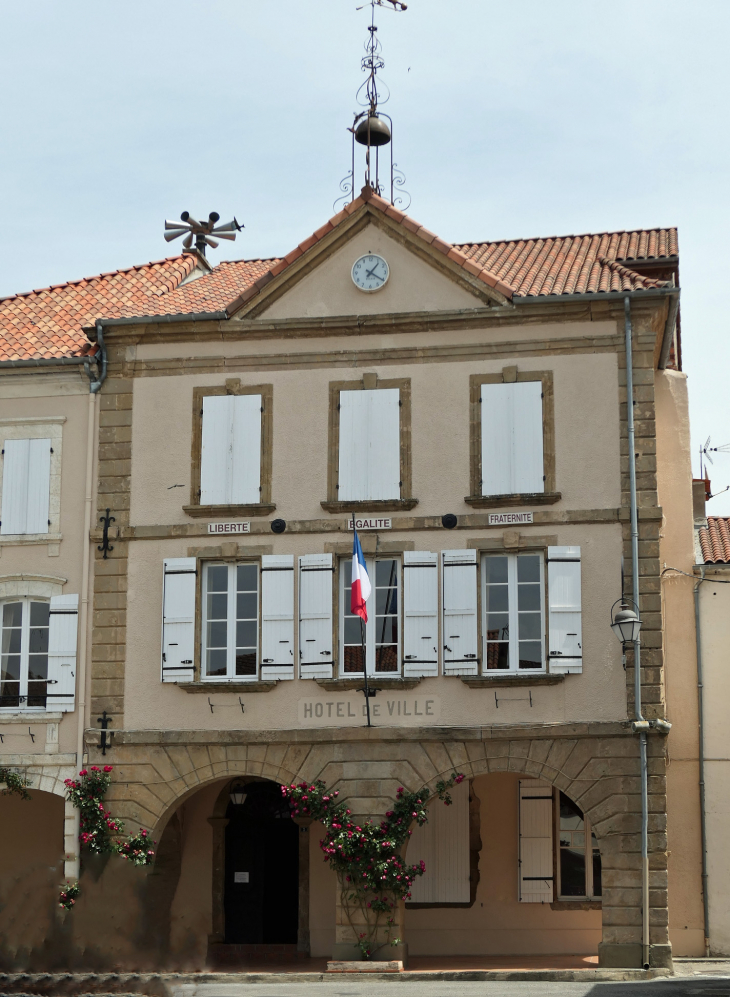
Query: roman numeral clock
point(370, 272)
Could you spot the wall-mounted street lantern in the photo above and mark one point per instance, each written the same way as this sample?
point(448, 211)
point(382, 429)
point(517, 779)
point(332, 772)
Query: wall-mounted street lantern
point(238, 795)
point(626, 623)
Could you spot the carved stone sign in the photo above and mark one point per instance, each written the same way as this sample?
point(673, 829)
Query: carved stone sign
point(387, 709)
point(229, 527)
point(509, 518)
point(370, 524)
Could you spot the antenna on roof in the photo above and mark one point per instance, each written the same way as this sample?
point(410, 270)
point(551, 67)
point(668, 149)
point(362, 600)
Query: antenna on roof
point(706, 450)
point(201, 231)
point(373, 128)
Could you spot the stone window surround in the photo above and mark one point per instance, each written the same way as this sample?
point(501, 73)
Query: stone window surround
point(38, 427)
point(233, 386)
point(510, 375)
point(369, 382)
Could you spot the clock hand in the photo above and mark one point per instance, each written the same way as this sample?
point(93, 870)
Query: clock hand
point(371, 273)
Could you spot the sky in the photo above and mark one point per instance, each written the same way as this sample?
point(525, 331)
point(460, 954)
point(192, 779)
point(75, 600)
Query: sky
point(526, 118)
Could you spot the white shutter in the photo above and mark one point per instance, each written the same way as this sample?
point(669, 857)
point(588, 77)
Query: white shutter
point(246, 445)
point(565, 642)
point(315, 616)
point(369, 460)
point(536, 842)
point(26, 486)
point(420, 613)
point(443, 844)
point(459, 635)
point(512, 438)
point(277, 616)
point(230, 458)
point(178, 619)
point(63, 626)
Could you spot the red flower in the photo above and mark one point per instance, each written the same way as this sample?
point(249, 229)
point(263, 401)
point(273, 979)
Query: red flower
point(108, 768)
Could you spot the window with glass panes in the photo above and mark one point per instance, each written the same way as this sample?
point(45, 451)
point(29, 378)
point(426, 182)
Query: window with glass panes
point(513, 612)
point(230, 621)
point(381, 632)
point(24, 658)
point(578, 856)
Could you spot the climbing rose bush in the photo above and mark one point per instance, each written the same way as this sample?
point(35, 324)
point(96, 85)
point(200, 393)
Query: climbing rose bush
point(366, 857)
point(99, 832)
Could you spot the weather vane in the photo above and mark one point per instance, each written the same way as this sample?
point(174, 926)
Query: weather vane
point(201, 231)
point(373, 128)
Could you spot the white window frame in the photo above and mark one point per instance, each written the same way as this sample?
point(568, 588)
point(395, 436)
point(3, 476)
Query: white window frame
point(230, 675)
point(588, 846)
point(344, 593)
point(25, 601)
point(38, 428)
point(513, 613)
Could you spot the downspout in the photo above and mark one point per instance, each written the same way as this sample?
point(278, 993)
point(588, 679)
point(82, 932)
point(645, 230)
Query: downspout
point(96, 385)
point(701, 720)
point(645, 942)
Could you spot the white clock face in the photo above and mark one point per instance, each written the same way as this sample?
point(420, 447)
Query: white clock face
point(370, 272)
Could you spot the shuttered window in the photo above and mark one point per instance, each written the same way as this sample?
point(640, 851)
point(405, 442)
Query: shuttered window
point(178, 619)
point(230, 460)
point(230, 640)
point(26, 486)
point(536, 842)
point(459, 623)
point(382, 630)
point(38, 659)
point(443, 845)
point(369, 445)
point(564, 599)
point(513, 620)
point(277, 616)
point(63, 625)
point(578, 858)
point(420, 613)
point(512, 438)
point(315, 616)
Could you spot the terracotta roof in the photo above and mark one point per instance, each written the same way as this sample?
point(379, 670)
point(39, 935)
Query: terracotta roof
point(49, 322)
point(210, 293)
point(715, 540)
point(575, 264)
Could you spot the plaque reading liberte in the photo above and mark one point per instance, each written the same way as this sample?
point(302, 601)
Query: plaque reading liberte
point(229, 527)
point(509, 518)
point(371, 524)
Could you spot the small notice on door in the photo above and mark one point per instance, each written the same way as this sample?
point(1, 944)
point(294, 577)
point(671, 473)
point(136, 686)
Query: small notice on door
point(240, 877)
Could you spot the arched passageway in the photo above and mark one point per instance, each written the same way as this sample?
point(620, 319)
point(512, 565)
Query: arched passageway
point(31, 868)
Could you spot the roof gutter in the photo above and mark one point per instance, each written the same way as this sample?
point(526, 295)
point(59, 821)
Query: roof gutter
point(655, 292)
point(45, 362)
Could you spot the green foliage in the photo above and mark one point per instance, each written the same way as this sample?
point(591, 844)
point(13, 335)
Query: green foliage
point(99, 832)
point(14, 784)
point(68, 896)
point(366, 857)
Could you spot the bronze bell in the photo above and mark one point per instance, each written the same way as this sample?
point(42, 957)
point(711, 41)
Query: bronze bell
point(378, 131)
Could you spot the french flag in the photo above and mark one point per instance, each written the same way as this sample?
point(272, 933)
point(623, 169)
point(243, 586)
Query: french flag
point(360, 581)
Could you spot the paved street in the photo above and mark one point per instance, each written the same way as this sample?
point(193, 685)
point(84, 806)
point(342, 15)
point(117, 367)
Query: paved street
point(688, 986)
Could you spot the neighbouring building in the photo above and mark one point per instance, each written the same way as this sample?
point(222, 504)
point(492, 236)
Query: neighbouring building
point(712, 573)
point(466, 404)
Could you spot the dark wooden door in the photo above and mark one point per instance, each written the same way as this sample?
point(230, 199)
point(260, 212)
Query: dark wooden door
point(262, 847)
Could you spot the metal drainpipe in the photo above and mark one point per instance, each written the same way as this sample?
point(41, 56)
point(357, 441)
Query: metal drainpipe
point(637, 643)
point(96, 385)
point(701, 720)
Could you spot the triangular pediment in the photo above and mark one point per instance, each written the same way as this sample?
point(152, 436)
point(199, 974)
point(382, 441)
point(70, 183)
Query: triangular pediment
point(425, 273)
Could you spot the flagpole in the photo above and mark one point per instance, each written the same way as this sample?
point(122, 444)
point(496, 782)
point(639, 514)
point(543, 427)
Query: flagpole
point(366, 689)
